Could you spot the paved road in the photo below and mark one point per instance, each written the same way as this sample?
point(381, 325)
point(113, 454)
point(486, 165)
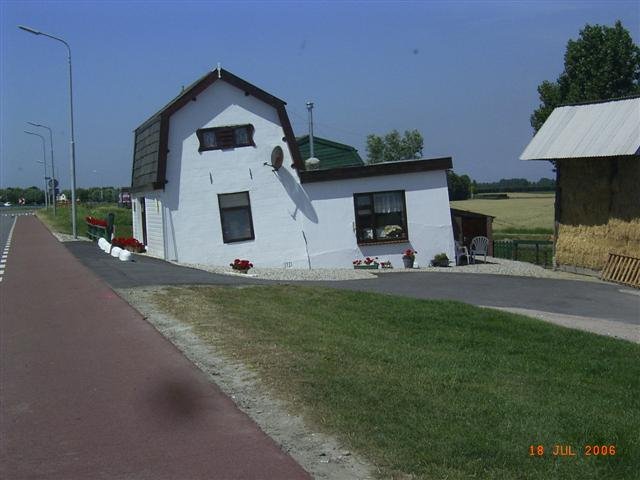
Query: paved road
point(145, 271)
point(588, 299)
point(6, 221)
point(90, 390)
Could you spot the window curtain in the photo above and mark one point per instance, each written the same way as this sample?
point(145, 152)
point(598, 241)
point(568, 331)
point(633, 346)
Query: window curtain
point(387, 202)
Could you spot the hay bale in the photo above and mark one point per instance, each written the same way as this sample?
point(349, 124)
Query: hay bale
point(588, 246)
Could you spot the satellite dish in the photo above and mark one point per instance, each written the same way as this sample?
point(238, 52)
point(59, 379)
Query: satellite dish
point(277, 157)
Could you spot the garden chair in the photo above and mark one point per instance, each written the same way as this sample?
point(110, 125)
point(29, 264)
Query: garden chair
point(461, 251)
point(479, 246)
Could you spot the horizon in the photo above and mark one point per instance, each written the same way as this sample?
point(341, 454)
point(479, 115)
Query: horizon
point(367, 67)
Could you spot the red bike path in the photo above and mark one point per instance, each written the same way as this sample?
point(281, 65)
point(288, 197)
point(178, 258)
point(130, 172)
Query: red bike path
point(90, 390)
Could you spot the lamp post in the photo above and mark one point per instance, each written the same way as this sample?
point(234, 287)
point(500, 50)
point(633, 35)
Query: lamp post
point(45, 183)
point(73, 143)
point(44, 160)
point(53, 170)
point(46, 179)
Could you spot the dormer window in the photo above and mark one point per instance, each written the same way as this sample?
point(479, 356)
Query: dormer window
point(223, 138)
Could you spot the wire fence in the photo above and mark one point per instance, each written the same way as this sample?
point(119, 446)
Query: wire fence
point(539, 252)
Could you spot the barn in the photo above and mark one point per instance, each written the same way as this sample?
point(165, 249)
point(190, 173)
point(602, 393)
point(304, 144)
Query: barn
point(595, 148)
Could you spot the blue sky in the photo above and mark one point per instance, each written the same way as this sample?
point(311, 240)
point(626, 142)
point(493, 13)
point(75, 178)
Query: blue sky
point(463, 73)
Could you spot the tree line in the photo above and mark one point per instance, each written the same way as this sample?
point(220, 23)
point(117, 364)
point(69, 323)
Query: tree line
point(35, 196)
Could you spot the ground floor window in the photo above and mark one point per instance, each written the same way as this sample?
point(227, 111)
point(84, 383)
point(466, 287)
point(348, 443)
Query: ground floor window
point(381, 216)
point(235, 216)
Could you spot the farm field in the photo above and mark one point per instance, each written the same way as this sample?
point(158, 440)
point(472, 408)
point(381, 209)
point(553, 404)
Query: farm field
point(430, 389)
point(521, 213)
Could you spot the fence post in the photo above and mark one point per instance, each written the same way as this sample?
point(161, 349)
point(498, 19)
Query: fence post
point(110, 220)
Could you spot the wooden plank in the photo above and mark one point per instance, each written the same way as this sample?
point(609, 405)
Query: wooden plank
point(628, 270)
point(628, 264)
point(624, 267)
point(636, 280)
point(616, 267)
point(607, 268)
point(633, 268)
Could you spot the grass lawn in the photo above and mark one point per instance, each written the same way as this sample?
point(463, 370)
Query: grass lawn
point(521, 213)
point(433, 389)
point(62, 221)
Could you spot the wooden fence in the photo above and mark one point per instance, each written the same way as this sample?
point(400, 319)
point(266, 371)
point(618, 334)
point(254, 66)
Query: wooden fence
point(622, 269)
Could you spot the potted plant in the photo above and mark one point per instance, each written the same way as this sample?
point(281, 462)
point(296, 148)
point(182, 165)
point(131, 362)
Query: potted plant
point(366, 264)
point(241, 266)
point(408, 257)
point(440, 260)
point(386, 264)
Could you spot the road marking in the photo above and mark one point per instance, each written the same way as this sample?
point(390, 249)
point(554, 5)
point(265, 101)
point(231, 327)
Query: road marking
point(629, 292)
point(3, 261)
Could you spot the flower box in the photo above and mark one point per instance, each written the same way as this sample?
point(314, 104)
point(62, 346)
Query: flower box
point(128, 243)
point(241, 266)
point(372, 266)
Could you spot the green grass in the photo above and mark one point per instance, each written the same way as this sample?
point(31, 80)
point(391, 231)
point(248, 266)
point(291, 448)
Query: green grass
point(62, 221)
point(521, 213)
point(434, 389)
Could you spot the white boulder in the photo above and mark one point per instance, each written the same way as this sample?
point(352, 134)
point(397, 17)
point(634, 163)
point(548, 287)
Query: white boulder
point(125, 256)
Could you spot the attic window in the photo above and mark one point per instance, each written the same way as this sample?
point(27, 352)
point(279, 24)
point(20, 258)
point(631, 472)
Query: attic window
point(222, 138)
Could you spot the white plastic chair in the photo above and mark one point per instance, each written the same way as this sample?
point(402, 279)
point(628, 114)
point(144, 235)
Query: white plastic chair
point(479, 246)
point(461, 251)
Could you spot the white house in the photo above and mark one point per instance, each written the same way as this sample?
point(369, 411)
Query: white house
point(218, 175)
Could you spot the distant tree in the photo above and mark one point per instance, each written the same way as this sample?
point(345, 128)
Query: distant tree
point(393, 147)
point(82, 194)
point(546, 183)
point(474, 188)
point(111, 194)
point(603, 63)
point(33, 195)
point(516, 185)
point(12, 194)
point(459, 186)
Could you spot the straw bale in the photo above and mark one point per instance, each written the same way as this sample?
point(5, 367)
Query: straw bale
point(625, 189)
point(586, 191)
point(589, 246)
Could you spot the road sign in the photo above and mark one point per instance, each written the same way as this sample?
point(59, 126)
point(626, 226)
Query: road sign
point(53, 183)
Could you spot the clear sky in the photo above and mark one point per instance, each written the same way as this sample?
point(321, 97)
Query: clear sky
point(463, 73)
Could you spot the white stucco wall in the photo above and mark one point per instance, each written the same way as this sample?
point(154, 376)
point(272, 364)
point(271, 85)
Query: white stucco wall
point(192, 219)
point(295, 225)
point(332, 239)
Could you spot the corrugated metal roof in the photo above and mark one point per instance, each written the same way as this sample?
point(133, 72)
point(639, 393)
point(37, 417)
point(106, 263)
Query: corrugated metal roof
point(605, 129)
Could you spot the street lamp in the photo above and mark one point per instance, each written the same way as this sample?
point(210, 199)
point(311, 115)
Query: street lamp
point(53, 171)
point(44, 160)
point(46, 179)
point(73, 143)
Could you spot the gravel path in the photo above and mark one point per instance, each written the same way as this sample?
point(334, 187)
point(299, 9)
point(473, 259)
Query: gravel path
point(494, 266)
